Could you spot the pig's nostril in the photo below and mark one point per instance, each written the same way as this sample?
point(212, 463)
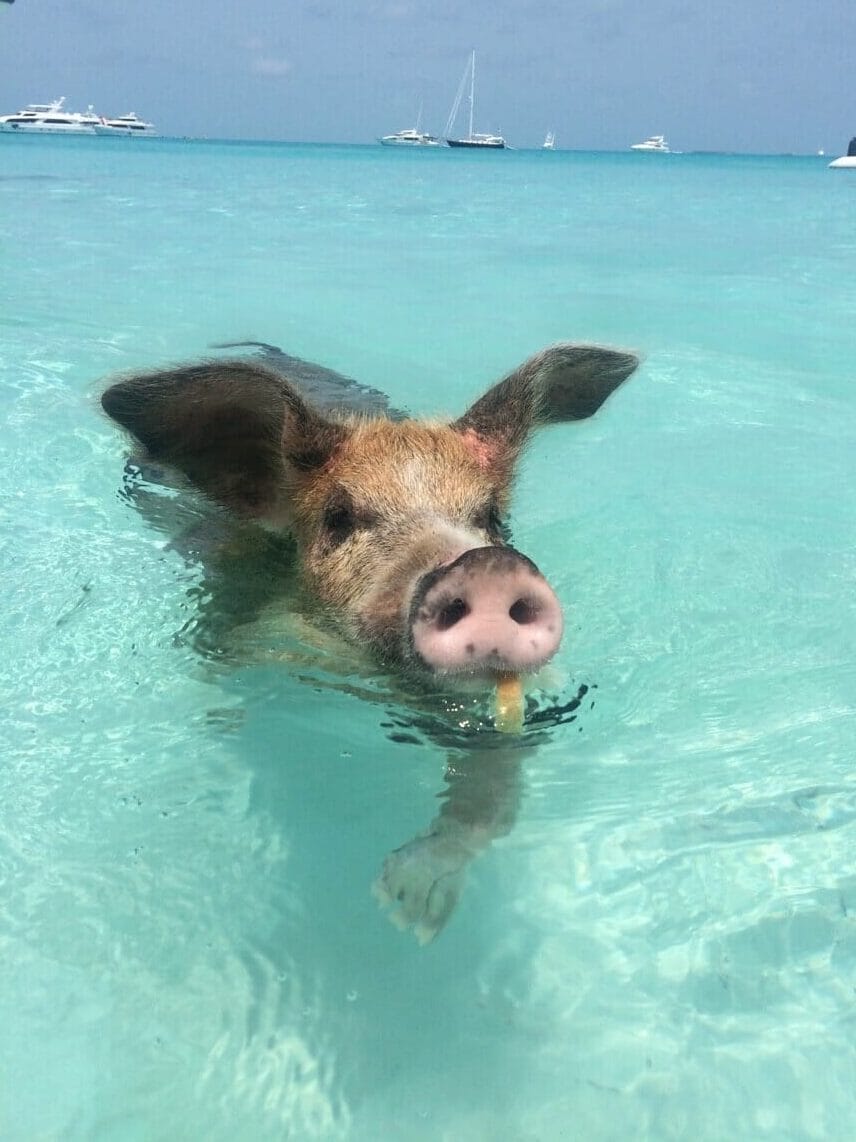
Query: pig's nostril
point(451, 613)
point(523, 611)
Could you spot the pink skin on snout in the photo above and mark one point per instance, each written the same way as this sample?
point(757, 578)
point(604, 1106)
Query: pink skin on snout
point(489, 611)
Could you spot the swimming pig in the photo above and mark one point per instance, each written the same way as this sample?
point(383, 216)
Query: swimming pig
point(399, 527)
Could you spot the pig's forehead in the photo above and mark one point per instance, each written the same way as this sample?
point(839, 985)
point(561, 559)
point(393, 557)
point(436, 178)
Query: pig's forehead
point(389, 443)
point(409, 455)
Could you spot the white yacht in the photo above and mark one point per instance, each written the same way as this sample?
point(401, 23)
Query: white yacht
point(50, 119)
point(549, 143)
point(411, 137)
point(653, 143)
point(848, 161)
point(129, 124)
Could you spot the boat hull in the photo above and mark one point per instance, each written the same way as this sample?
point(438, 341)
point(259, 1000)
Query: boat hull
point(126, 132)
point(477, 144)
point(846, 162)
point(408, 143)
point(45, 129)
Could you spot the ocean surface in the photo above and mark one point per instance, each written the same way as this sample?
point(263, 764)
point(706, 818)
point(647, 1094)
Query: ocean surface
point(664, 944)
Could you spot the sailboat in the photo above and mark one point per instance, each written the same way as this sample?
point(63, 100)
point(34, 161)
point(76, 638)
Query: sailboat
point(475, 140)
point(549, 143)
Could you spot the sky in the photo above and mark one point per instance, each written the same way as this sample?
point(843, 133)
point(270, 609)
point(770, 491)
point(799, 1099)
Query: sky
point(758, 76)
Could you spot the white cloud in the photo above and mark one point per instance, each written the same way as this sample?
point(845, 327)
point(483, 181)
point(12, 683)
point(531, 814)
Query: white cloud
point(270, 65)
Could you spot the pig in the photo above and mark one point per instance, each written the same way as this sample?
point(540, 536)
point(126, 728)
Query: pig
point(401, 540)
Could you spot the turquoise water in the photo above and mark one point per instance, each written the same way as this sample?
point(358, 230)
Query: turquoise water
point(664, 946)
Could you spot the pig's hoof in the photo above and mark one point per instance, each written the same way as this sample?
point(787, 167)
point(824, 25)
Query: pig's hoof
point(423, 881)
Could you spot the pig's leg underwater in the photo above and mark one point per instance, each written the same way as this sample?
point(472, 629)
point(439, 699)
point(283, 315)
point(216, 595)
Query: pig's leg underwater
point(422, 880)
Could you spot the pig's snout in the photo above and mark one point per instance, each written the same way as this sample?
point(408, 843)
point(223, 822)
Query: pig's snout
point(491, 610)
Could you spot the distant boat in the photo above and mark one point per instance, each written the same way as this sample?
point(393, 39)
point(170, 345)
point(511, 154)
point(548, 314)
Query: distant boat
point(653, 143)
point(129, 124)
point(53, 119)
point(474, 140)
point(549, 143)
point(412, 136)
point(49, 119)
point(847, 161)
point(409, 138)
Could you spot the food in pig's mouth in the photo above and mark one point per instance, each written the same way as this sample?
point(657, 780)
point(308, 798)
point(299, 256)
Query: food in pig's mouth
point(508, 718)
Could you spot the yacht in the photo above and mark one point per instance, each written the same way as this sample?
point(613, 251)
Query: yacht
point(653, 143)
point(474, 140)
point(549, 143)
point(411, 137)
point(847, 161)
point(129, 124)
point(50, 119)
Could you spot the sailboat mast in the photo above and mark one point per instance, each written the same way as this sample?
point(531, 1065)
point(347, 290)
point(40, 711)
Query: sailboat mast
point(472, 89)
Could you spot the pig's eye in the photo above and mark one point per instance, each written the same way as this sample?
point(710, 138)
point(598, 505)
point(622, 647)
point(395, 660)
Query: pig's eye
point(489, 519)
point(339, 521)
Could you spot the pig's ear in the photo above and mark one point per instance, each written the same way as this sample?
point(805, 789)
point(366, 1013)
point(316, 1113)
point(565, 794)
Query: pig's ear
point(564, 382)
point(236, 430)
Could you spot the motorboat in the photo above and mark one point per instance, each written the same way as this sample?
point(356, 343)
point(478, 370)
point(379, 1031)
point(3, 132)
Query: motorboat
point(129, 124)
point(653, 143)
point(473, 139)
point(50, 119)
point(847, 161)
point(411, 137)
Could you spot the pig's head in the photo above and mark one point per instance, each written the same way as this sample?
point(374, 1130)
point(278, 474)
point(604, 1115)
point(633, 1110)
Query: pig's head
point(399, 524)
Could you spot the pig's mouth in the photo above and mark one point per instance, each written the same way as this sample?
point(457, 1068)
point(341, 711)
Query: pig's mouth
point(487, 614)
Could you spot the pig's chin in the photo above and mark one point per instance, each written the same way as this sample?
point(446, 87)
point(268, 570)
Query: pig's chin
point(481, 677)
point(475, 681)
